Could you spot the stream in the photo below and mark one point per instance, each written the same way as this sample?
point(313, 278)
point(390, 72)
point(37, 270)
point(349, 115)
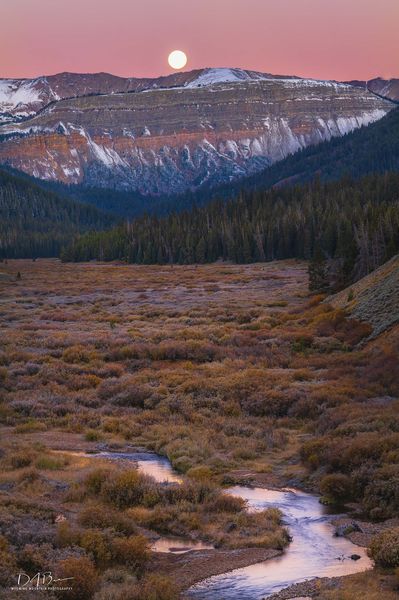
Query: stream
point(313, 552)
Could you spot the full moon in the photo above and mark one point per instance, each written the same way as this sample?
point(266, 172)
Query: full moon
point(177, 59)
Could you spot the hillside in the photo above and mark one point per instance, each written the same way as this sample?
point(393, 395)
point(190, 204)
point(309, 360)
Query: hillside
point(374, 298)
point(35, 222)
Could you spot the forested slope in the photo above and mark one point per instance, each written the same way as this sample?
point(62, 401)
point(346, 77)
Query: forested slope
point(36, 222)
point(355, 222)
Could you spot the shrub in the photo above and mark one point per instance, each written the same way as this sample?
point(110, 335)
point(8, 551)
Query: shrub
point(32, 558)
point(384, 548)
point(312, 452)
point(95, 480)
point(101, 516)
point(76, 354)
point(118, 591)
point(336, 487)
point(302, 375)
point(302, 343)
point(132, 551)
point(97, 544)
point(158, 587)
point(21, 459)
point(200, 473)
point(51, 463)
point(92, 435)
point(126, 489)
point(195, 492)
point(8, 564)
point(274, 515)
point(226, 503)
point(29, 426)
point(84, 578)
point(118, 575)
point(336, 324)
point(159, 519)
point(381, 496)
point(66, 536)
point(124, 587)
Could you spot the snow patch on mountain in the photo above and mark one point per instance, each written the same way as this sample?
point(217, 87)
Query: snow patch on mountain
point(19, 97)
point(214, 76)
point(223, 75)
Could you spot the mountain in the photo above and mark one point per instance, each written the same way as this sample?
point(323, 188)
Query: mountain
point(36, 222)
point(23, 98)
point(172, 134)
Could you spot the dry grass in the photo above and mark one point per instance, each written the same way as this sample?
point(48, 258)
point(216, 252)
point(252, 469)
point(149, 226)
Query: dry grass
point(225, 369)
point(363, 586)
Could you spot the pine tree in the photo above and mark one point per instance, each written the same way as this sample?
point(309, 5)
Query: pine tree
point(318, 272)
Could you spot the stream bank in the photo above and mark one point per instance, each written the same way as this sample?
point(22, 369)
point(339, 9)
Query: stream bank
point(253, 573)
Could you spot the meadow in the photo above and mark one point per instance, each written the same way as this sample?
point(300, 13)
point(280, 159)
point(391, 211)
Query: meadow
point(234, 372)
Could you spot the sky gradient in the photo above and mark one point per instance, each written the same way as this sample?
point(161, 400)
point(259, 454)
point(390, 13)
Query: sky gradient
point(329, 39)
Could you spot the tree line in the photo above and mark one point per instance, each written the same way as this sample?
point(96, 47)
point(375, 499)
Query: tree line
point(355, 223)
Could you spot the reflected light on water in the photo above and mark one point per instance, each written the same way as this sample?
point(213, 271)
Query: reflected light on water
point(313, 552)
point(178, 545)
point(148, 463)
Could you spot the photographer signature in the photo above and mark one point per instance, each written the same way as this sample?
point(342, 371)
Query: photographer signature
point(39, 580)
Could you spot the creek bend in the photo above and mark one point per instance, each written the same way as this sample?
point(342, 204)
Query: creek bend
point(313, 552)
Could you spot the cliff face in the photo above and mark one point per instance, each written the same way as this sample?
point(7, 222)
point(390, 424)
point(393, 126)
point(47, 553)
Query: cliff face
point(175, 133)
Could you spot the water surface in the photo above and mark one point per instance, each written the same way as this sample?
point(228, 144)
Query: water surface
point(148, 463)
point(178, 545)
point(313, 552)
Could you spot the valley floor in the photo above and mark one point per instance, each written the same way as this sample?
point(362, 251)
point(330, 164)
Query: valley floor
point(232, 371)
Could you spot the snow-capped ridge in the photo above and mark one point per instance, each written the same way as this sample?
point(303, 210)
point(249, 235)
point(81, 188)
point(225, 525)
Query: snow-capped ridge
point(213, 76)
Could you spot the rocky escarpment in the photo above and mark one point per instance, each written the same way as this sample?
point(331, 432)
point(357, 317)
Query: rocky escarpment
point(180, 132)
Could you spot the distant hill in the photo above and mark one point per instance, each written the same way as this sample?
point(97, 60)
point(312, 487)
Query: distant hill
point(35, 222)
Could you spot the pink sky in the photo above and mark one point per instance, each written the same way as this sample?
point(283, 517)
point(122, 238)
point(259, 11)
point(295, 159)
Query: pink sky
point(336, 39)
